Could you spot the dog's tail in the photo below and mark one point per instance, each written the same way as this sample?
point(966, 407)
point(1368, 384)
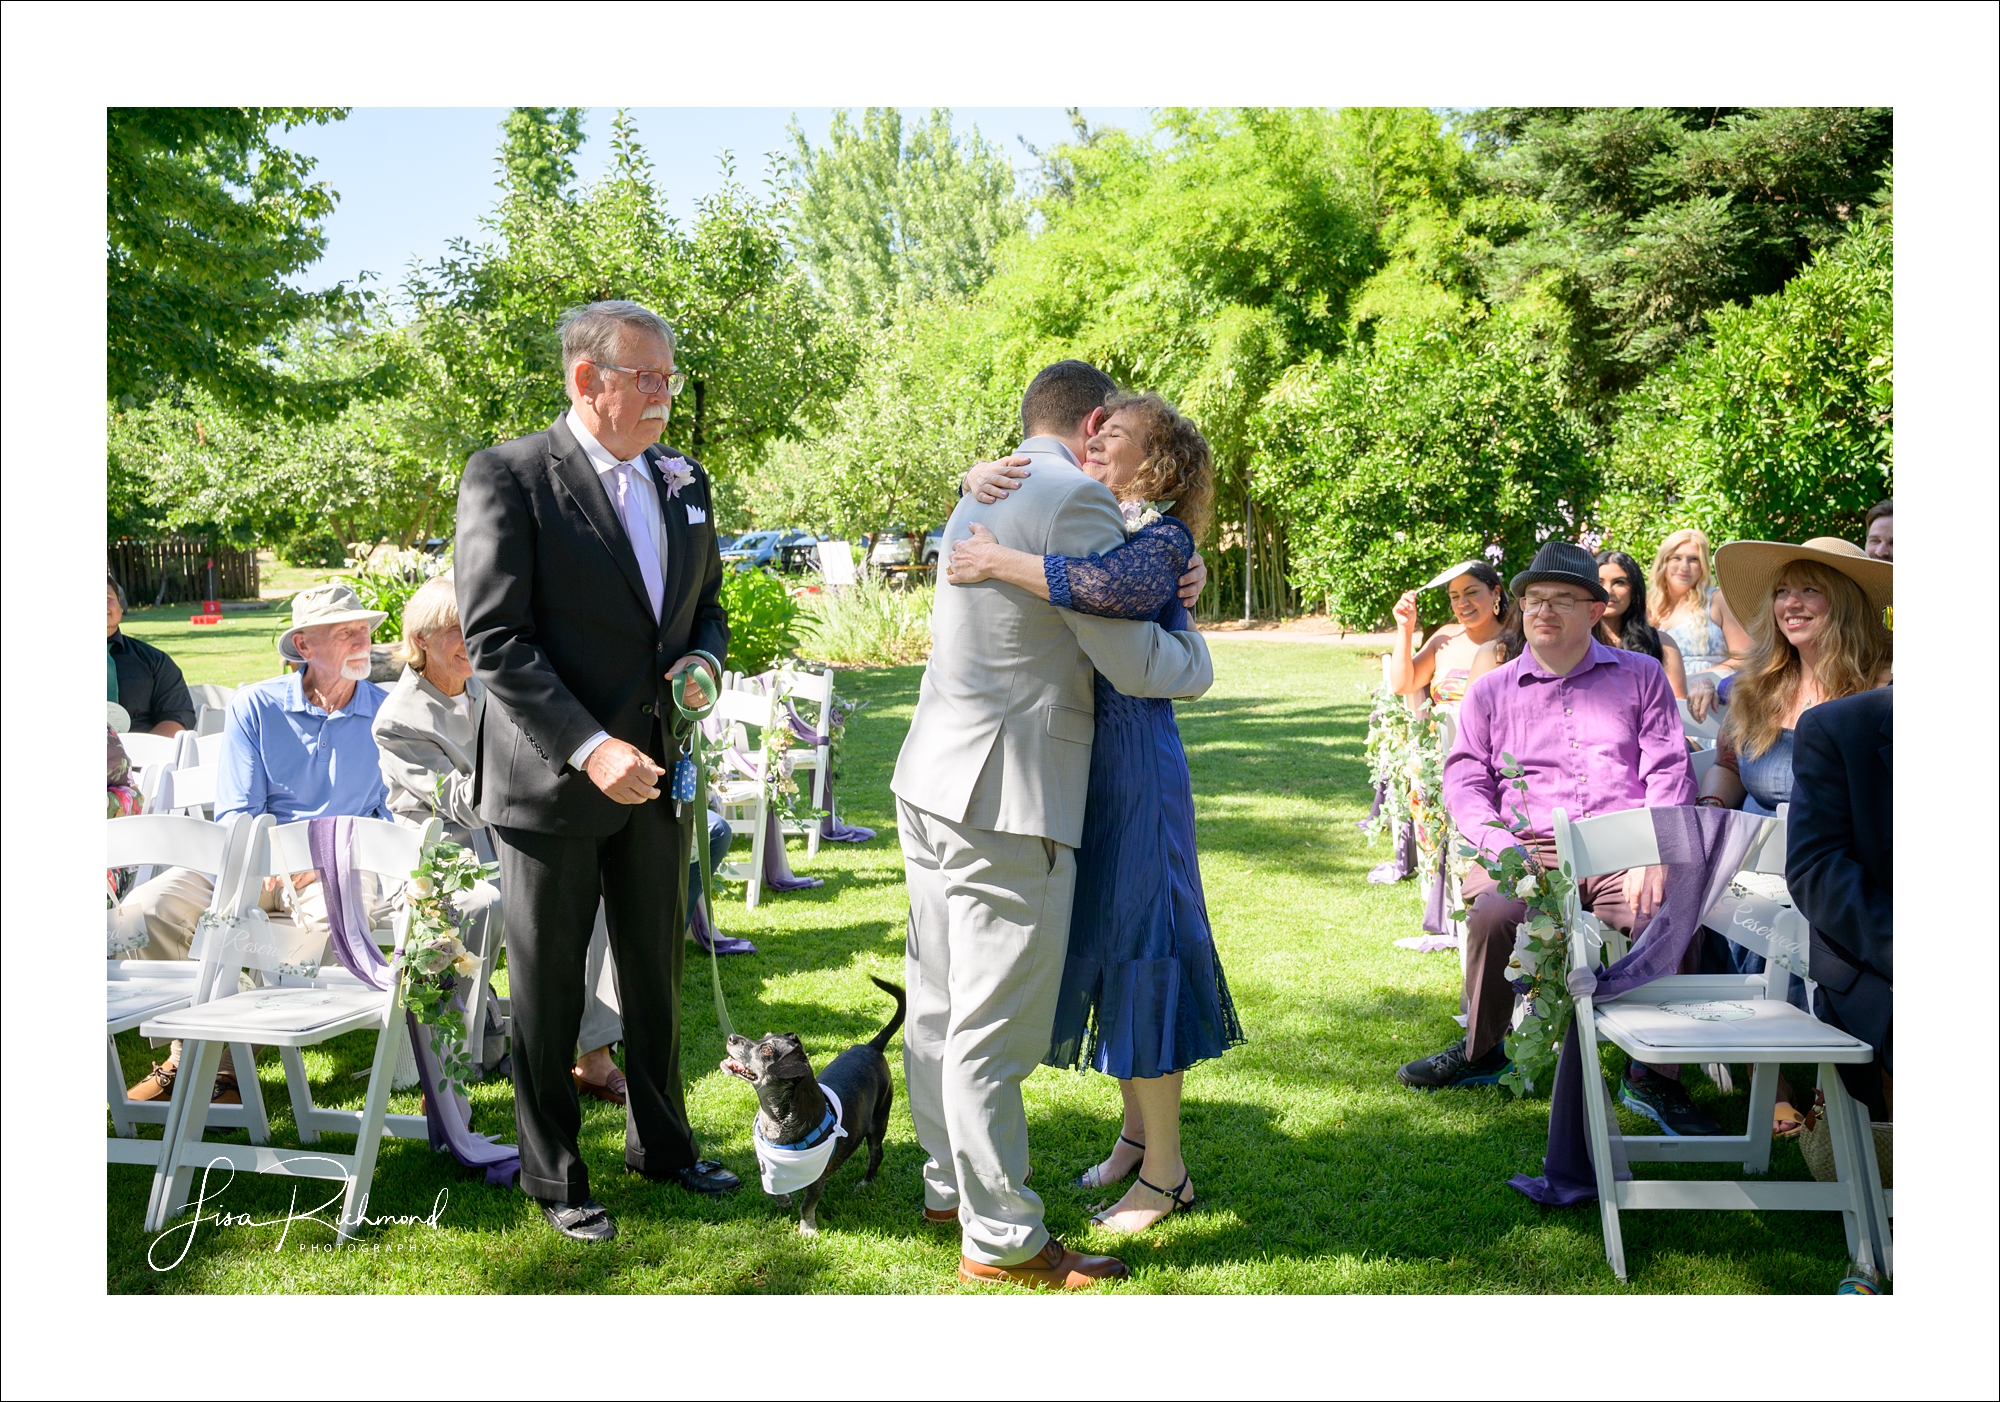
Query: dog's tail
point(881, 1039)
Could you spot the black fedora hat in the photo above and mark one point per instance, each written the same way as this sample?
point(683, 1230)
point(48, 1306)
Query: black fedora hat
point(1560, 562)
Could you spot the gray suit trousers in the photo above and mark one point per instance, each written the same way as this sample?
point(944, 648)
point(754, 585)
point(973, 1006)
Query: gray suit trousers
point(989, 930)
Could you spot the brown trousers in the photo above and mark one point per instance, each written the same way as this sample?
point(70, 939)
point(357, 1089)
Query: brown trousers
point(1491, 917)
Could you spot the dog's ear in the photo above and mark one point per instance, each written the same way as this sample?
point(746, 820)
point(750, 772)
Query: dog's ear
point(791, 1059)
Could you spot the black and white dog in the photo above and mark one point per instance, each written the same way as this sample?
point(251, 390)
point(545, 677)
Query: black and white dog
point(794, 1114)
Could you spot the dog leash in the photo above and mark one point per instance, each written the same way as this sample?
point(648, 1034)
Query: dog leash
point(690, 785)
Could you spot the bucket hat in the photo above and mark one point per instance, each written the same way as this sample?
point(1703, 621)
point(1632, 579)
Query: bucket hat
point(1562, 562)
point(1748, 569)
point(332, 602)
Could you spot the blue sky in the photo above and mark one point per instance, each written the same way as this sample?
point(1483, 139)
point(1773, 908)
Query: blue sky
point(412, 178)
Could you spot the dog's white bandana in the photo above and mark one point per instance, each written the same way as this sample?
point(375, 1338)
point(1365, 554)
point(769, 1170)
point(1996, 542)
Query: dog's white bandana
point(788, 1170)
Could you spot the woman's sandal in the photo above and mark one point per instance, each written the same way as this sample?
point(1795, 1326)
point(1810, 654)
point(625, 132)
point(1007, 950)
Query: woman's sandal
point(1786, 1122)
point(1181, 1204)
point(1093, 1176)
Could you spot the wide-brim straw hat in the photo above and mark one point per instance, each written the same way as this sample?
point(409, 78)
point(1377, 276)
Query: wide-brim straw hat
point(331, 602)
point(1748, 570)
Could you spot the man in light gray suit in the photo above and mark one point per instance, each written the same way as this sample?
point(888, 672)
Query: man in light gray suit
point(990, 790)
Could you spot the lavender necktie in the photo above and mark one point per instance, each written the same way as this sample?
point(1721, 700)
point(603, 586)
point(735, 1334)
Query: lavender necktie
point(638, 530)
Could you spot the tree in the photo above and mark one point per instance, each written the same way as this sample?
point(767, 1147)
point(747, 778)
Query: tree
point(1641, 222)
point(879, 217)
point(752, 335)
point(206, 218)
point(1431, 445)
point(188, 462)
point(1782, 427)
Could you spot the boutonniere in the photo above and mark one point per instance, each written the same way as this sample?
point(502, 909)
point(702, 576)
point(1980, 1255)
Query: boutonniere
point(1141, 514)
point(678, 474)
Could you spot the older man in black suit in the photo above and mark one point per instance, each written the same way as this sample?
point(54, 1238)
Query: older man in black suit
point(588, 585)
point(1840, 869)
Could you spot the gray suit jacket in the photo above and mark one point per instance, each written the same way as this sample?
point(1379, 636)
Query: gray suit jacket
point(1004, 724)
point(423, 738)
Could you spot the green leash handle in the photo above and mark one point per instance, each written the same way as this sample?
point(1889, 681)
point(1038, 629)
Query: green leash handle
point(689, 726)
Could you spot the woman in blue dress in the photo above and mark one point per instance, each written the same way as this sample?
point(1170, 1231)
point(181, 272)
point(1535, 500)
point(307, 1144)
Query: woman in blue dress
point(1143, 995)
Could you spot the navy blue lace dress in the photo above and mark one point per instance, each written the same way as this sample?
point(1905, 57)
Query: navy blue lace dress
point(1143, 993)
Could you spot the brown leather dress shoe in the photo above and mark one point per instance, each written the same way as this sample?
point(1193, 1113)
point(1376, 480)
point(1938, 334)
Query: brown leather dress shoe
point(227, 1092)
point(1055, 1267)
point(941, 1216)
point(611, 1091)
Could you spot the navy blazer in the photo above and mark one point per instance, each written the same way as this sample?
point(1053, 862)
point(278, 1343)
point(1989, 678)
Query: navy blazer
point(1839, 858)
point(560, 629)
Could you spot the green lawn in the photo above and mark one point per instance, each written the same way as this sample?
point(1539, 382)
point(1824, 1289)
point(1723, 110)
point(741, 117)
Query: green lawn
point(242, 648)
point(1316, 1171)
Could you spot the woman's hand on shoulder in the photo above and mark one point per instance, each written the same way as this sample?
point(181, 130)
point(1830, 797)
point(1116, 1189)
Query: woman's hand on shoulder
point(992, 481)
point(973, 558)
point(1194, 581)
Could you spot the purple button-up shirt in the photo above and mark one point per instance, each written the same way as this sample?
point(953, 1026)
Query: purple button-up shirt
point(1603, 738)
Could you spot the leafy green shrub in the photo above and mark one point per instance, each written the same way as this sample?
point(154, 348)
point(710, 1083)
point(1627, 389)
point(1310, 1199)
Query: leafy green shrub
point(868, 623)
point(1782, 427)
point(317, 549)
point(761, 613)
point(1428, 447)
point(386, 581)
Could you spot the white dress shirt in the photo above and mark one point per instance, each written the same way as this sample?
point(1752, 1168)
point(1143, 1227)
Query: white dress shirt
point(638, 480)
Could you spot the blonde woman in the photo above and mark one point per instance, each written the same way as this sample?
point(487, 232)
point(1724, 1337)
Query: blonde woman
point(1685, 607)
point(1817, 634)
point(1143, 994)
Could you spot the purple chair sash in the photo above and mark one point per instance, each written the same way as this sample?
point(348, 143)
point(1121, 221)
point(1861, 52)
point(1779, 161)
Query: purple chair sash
point(1702, 849)
point(446, 1117)
point(331, 842)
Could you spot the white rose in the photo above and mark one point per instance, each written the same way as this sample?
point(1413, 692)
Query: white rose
point(1524, 889)
point(467, 964)
point(422, 886)
point(1525, 963)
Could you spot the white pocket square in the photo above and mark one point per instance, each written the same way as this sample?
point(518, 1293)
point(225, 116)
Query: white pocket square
point(696, 516)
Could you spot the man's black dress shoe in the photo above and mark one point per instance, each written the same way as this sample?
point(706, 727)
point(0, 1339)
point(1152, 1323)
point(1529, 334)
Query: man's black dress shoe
point(581, 1221)
point(707, 1176)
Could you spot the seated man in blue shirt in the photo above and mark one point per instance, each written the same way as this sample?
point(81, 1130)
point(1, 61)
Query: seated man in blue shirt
point(297, 746)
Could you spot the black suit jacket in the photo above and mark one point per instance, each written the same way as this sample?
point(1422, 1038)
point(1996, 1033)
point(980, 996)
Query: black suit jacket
point(1839, 861)
point(559, 628)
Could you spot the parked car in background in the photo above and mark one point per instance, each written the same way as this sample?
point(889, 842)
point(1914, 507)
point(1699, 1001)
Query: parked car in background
point(933, 543)
point(755, 550)
point(894, 548)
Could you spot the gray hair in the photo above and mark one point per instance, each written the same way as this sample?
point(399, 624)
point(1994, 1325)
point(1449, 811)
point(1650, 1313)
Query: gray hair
point(426, 613)
point(591, 332)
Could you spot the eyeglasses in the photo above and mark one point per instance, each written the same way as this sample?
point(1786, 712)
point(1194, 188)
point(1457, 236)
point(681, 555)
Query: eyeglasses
point(669, 382)
point(1564, 605)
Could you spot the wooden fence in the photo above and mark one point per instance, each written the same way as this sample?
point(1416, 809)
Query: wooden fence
point(178, 571)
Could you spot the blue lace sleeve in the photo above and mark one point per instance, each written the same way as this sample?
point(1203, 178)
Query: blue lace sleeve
point(1136, 580)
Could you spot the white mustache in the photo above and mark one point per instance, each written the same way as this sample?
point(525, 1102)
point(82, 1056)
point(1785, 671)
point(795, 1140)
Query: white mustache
point(655, 411)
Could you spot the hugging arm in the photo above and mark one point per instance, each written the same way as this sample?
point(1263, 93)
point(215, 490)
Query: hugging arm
point(1135, 579)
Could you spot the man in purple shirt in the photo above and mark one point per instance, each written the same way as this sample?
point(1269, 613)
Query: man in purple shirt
point(1594, 730)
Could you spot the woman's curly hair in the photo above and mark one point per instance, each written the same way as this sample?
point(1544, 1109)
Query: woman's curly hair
point(1178, 466)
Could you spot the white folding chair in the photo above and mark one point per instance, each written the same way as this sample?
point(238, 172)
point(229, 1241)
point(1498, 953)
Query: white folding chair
point(814, 689)
point(742, 799)
point(211, 706)
point(291, 1012)
point(198, 750)
point(189, 791)
point(137, 989)
point(146, 750)
point(1702, 730)
point(1707, 1018)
